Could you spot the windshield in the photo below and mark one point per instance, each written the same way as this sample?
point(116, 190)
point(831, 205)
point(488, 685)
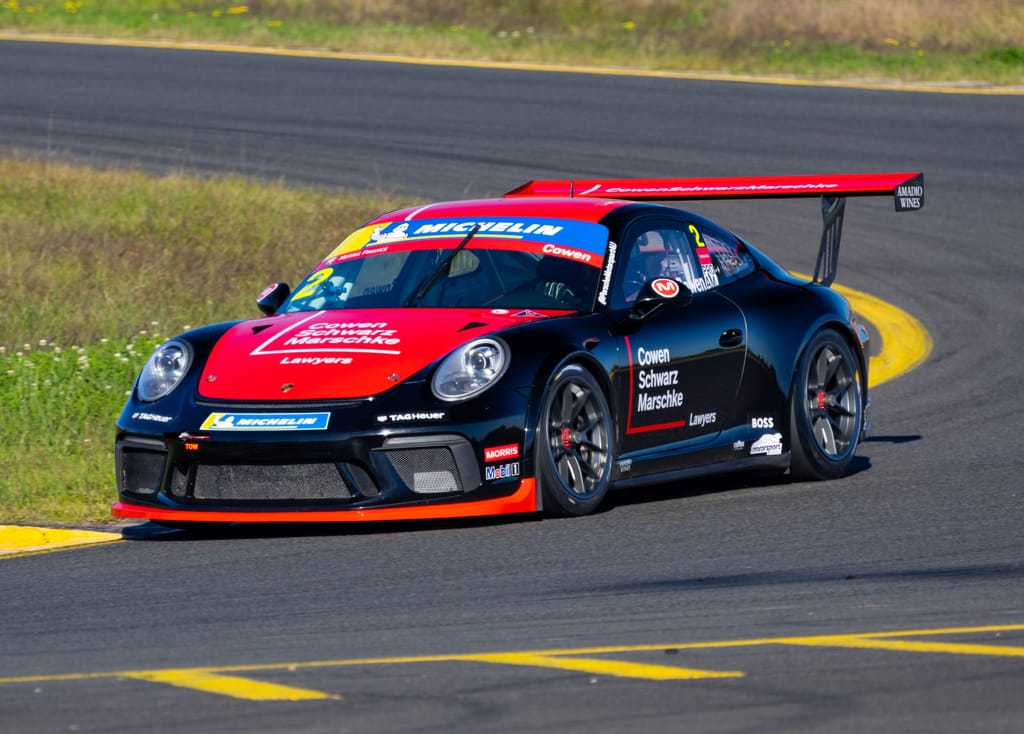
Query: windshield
point(390, 265)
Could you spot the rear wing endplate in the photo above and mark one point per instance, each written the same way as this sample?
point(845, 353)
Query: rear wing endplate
point(906, 188)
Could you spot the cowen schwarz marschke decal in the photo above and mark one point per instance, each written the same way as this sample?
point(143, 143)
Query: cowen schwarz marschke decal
point(906, 186)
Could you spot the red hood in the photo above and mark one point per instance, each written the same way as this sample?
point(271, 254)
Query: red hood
point(324, 355)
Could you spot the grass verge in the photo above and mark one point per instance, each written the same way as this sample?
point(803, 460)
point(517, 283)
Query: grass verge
point(98, 267)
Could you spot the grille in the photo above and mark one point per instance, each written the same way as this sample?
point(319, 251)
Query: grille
point(270, 483)
point(427, 470)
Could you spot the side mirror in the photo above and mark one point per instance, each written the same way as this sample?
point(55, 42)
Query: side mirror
point(272, 297)
point(657, 294)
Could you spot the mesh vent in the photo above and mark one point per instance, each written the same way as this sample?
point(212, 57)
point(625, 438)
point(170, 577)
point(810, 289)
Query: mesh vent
point(141, 470)
point(427, 470)
point(270, 483)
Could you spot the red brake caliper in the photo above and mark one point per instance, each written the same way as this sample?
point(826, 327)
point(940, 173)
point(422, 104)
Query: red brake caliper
point(566, 437)
point(822, 400)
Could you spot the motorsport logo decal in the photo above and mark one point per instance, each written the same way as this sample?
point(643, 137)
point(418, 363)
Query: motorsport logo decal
point(266, 422)
point(770, 444)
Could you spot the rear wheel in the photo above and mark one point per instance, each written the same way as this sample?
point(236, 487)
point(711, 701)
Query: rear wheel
point(826, 408)
point(574, 443)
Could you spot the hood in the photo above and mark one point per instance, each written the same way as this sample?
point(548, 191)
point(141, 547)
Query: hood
point(327, 355)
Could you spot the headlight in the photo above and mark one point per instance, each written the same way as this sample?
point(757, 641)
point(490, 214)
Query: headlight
point(164, 370)
point(470, 369)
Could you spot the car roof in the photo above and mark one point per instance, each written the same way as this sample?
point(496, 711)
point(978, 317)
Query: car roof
point(585, 210)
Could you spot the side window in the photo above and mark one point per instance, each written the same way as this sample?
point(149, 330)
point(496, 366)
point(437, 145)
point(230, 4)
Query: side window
point(721, 256)
point(660, 252)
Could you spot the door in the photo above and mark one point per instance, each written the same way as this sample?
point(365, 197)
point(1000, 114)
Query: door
point(683, 364)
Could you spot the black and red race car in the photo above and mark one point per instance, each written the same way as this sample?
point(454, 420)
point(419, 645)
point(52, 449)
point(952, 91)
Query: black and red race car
point(511, 355)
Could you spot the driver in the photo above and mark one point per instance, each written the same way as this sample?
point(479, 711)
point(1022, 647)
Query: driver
point(651, 257)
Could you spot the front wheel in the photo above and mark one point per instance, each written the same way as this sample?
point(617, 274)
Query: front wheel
point(574, 443)
point(826, 408)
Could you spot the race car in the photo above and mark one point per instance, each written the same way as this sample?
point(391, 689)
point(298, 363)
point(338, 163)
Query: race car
point(520, 354)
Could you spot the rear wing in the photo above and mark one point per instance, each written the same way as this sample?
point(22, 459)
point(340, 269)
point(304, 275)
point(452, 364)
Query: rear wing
point(907, 190)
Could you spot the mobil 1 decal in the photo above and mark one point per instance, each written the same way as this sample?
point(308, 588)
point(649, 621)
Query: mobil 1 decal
point(656, 396)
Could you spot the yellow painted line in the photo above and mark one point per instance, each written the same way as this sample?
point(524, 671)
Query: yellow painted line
point(937, 88)
point(873, 643)
point(225, 681)
point(906, 344)
point(230, 685)
point(18, 540)
point(596, 666)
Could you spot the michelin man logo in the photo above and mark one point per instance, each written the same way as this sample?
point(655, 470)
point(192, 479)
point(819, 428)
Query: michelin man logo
point(398, 233)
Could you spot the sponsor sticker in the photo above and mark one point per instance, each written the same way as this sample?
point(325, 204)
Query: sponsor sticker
point(665, 287)
point(497, 453)
point(266, 422)
point(501, 471)
point(770, 444)
point(154, 417)
point(434, 415)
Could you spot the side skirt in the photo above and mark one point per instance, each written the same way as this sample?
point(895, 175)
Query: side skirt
point(780, 462)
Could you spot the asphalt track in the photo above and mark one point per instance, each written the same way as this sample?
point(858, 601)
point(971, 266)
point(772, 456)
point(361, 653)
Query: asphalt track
point(891, 600)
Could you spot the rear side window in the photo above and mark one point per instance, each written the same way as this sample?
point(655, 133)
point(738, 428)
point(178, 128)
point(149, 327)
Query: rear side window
point(727, 256)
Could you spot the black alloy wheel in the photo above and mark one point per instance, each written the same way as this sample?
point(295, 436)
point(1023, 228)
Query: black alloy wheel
point(574, 443)
point(826, 408)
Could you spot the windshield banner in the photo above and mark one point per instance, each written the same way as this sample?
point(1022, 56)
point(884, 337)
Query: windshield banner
point(582, 241)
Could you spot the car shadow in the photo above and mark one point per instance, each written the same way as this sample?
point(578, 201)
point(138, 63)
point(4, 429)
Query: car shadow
point(659, 492)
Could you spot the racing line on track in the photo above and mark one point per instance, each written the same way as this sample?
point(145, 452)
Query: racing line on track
point(223, 681)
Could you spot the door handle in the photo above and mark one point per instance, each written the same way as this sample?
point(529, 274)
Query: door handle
point(731, 338)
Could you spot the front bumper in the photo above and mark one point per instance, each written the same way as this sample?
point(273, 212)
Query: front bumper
point(191, 477)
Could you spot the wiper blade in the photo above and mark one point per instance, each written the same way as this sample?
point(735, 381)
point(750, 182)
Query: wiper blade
point(441, 269)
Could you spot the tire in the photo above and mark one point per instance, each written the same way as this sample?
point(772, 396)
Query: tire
point(574, 445)
point(826, 409)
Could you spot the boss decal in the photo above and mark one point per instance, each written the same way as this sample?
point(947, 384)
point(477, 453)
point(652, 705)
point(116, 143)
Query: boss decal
point(266, 422)
point(762, 421)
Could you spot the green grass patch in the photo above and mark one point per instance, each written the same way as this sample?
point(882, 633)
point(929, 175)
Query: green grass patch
point(939, 40)
point(97, 268)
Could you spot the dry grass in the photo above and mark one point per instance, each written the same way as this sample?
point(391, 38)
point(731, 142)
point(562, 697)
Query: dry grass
point(943, 24)
point(935, 40)
point(957, 25)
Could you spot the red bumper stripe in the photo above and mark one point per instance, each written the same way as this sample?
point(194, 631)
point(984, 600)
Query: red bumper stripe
point(524, 500)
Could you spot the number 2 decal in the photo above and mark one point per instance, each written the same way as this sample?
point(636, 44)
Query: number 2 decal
point(703, 257)
point(314, 280)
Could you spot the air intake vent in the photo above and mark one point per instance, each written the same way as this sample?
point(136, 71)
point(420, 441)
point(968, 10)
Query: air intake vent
point(427, 470)
point(270, 483)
